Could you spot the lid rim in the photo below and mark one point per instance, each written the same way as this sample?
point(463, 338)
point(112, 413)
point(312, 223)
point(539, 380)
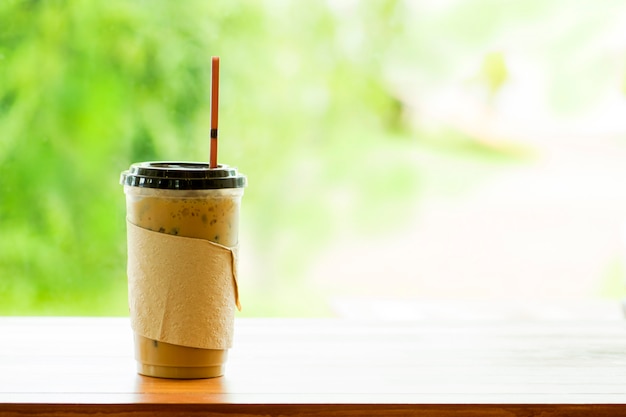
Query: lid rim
point(182, 175)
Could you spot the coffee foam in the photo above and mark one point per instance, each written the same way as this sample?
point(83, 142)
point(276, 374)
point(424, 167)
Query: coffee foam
point(181, 290)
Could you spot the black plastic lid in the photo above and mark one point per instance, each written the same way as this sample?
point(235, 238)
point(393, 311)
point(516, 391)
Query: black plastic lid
point(182, 176)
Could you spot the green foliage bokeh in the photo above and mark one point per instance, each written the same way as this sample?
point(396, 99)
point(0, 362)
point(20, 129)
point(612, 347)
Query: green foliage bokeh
point(90, 87)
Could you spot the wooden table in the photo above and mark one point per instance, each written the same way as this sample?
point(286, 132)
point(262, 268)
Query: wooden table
point(319, 367)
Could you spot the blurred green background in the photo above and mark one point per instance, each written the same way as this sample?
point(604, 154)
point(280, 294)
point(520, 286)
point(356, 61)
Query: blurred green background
point(315, 109)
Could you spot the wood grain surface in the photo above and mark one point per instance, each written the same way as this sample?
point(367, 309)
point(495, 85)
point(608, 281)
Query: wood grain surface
point(315, 367)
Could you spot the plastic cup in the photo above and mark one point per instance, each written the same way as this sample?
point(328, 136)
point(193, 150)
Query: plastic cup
point(187, 199)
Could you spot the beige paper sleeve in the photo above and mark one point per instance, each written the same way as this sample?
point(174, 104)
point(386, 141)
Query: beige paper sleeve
point(181, 290)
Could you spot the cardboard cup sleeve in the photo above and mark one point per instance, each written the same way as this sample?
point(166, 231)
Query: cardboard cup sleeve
point(181, 290)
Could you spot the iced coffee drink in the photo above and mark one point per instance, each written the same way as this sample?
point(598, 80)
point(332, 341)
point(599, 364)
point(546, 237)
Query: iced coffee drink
point(197, 204)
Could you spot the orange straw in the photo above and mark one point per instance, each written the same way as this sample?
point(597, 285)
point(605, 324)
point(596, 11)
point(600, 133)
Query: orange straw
point(215, 90)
